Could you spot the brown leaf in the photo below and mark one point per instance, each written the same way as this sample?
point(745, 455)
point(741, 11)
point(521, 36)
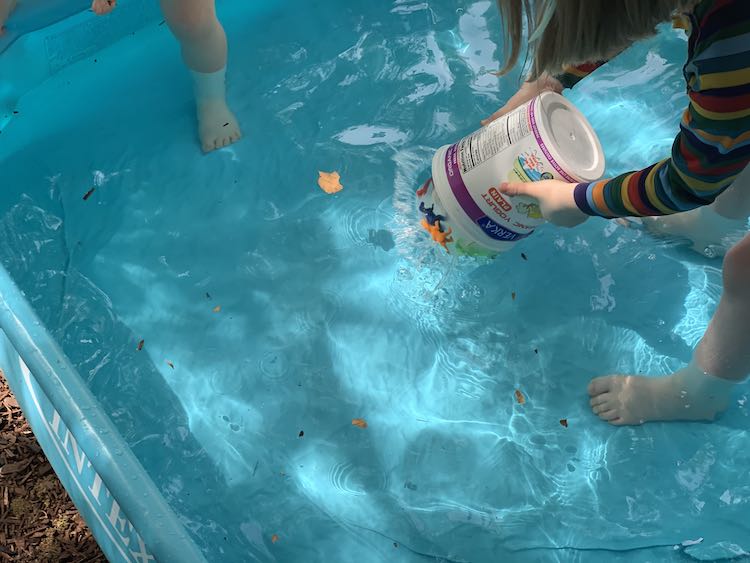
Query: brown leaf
point(329, 182)
point(564, 422)
point(140, 345)
point(523, 256)
point(217, 309)
point(513, 296)
point(274, 538)
point(170, 364)
point(359, 422)
point(88, 193)
point(519, 397)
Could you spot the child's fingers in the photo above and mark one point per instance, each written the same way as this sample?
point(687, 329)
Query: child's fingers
point(530, 189)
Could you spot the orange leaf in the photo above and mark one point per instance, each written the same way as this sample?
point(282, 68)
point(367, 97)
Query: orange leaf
point(564, 422)
point(274, 538)
point(217, 309)
point(170, 364)
point(360, 422)
point(519, 397)
point(140, 345)
point(329, 182)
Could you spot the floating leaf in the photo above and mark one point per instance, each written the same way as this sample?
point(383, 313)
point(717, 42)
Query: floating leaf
point(217, 309)
point(536, 350)
point(208, 295)
point(170, 364)
point(274, 538)
point(519, 397)
point(359, 422)
point(88, 193)
point(329, 182)
point(513, 296)
point(301, 433)
point(523, 256)
point(140, 345)
point(564, 422)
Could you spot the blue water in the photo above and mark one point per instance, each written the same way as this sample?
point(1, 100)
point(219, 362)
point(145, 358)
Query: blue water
point(335, 307)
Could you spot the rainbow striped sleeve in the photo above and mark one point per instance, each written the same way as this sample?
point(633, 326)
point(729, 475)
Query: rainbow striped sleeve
point(572, 75)
point(713, 145)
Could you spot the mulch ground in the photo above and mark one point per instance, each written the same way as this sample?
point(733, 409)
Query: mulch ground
point(38, 522)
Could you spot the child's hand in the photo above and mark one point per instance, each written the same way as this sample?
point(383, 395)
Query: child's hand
point(525, 93)
point(102, 7)
point(556, 200)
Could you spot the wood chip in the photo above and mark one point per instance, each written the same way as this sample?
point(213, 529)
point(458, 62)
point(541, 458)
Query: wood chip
point(9, 468)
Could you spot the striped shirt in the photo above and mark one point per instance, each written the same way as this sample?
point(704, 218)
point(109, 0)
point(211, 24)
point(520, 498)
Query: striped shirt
point(713, 145)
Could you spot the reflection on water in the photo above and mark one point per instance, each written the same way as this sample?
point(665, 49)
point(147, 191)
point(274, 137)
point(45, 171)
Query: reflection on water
point(286, 312)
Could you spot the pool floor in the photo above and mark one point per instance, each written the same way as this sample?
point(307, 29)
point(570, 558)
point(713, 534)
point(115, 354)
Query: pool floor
point(272, 314)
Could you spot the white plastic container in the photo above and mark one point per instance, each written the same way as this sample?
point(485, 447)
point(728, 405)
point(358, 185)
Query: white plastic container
point(545, 138)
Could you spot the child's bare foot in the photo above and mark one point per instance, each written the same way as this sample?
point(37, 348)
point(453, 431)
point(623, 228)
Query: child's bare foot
point(688, 394)
point(710, 233)
point(6, 7)
point(217, 125)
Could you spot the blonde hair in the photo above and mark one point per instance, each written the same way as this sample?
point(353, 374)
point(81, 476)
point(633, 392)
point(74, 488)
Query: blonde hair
point(570, 32)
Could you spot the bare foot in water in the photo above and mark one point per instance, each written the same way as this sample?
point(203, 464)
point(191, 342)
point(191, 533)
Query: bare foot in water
point(217, 125)
point(710, 233)
point(688, 394)
point(6, 7)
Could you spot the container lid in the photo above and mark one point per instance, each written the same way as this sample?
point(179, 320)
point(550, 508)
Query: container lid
point(571, 137)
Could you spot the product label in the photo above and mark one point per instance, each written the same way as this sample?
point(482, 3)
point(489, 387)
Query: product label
point(490, 227)
point(493, 139)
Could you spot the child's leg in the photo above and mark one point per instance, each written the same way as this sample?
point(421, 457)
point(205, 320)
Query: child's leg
point(714, 228)
point(6, 7)
point(204, 50)
point(691, 394)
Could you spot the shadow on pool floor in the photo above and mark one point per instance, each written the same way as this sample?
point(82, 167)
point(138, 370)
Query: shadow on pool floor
point(38, 521)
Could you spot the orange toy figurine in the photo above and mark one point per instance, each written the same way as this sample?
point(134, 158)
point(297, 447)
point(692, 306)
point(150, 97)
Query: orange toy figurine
point(442, 238)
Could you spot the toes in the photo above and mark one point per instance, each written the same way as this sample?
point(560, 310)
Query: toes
point(600, 385)
point(602, 407)
point(598, 400)
point(622, 422)
point(609, 415)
